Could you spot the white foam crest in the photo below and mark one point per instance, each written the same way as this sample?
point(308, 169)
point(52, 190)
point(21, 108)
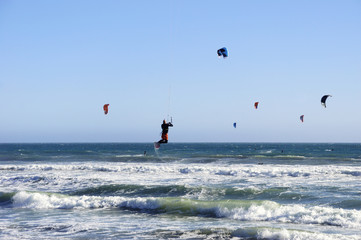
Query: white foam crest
point(227, 172)
point(285, 234)
point(65, 177)
point(12, 168)
point(241, 169)
point(55, 201)
point(266, 151)
point(129, 155)
point(107, 167)
point(290, 156)
point(299, 214)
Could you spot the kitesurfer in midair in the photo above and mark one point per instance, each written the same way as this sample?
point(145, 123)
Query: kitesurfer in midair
point(165, 127)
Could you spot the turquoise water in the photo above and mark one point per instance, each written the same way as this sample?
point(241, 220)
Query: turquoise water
point(188, 191)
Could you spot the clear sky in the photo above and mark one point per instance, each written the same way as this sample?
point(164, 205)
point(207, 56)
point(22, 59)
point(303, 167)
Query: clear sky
point(60, 61)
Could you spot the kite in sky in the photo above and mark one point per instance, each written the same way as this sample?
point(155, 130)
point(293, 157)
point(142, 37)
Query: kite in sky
point(323, 100)
point(222, 52)
point(105, 108)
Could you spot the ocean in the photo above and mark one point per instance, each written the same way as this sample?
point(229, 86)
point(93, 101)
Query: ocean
point(181, 191)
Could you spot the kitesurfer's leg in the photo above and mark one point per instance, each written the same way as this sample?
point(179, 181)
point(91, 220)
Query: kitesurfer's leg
point(164, 138)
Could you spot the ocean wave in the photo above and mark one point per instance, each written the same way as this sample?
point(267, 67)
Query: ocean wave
point(193, 192)
point(278, 156)
point(58, 201)
point(242, 171)
point(135, 190)
point(5, 198)
point(349, 204)
point(12, 168)
point(352, 173)
point(26, 179)
point(289, 234)
point(250, 233)
point(242, 210)
point(129, 155)
point(218, 156)
point(200, 192)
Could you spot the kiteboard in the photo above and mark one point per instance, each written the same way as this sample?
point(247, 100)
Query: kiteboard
point(156, 145)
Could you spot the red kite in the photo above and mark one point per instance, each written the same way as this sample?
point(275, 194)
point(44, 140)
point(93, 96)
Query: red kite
point(105, 107)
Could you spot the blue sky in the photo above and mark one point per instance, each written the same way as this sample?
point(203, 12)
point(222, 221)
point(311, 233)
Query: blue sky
point(61, 61)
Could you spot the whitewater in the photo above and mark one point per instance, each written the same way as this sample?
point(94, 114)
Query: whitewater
point(181, 191)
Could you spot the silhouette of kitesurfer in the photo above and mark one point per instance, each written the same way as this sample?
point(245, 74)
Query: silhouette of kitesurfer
point(165, 127)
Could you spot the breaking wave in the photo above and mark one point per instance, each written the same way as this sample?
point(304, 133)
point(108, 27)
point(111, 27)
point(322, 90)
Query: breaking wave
point(242, 210)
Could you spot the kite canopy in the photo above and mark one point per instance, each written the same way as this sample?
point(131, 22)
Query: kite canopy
point(256, 105)
point(105, 108)
point(222, 52)
point(234, 125)
point(301, 118)
point(323, 100)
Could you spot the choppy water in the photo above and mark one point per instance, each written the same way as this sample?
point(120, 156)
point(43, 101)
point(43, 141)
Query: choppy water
point(187, 191)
